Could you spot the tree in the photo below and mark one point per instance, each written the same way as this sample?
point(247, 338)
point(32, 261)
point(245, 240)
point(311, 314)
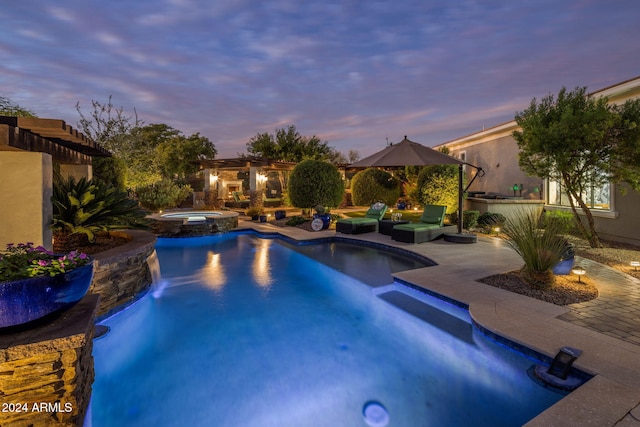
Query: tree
point(374, 185)
point(177, 156)
point(288, 145)
point(315, 182)
point(583, 142)
point(8, 108)
point(109, 126)
point(150, 153)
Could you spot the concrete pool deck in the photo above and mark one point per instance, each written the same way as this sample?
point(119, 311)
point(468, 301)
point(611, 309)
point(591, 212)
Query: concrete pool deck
point(604, 329)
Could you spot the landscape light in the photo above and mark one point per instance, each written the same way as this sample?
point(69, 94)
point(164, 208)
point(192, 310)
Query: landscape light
point(635, 265)
point(579, 271)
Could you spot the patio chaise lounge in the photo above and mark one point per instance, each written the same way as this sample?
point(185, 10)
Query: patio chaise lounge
point(239, 201)
point(367, 224)
point(430, 226)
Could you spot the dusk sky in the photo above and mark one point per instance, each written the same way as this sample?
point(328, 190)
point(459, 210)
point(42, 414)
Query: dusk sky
point(354, 73)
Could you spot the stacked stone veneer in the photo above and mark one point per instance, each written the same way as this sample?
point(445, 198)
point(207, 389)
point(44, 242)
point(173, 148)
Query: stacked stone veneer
point(179, 228)
point(46, 372)
point(122, 274)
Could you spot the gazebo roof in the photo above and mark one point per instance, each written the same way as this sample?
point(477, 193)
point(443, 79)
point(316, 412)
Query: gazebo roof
point(240, 163)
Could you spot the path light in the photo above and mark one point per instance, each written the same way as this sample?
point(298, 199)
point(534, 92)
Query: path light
point(635, 265)
point(496, 230)
point(579, 271)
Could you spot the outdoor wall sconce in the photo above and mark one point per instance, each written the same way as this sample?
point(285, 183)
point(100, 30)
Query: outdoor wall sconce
point(261, 178)
point(579, 271)
point(635, 265)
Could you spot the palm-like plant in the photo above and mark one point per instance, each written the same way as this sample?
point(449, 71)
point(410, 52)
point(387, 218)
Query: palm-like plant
point(83, 208)
point(540, 249)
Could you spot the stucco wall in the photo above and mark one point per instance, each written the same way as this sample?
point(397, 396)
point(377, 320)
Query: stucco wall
point(26, 181)
point(499, 159)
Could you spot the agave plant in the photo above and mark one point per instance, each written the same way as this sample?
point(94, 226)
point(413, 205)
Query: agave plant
point(540, 249)
point(81, 208)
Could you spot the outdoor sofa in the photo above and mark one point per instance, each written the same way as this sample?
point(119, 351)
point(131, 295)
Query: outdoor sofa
point(430, 226)
point(367, 224)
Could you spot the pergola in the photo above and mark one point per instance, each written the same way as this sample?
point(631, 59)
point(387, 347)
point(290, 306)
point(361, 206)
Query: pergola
point(220, 175)
point(28, 149)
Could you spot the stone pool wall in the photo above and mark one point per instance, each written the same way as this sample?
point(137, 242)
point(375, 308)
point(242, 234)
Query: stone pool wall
point(166, 227)
point(122, 274)
point(46, 372)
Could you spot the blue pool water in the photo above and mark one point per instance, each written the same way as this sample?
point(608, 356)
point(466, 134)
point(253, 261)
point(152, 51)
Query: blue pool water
point(253, 332)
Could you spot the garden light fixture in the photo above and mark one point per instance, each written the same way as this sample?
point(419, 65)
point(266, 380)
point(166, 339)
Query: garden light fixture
point(579, 271)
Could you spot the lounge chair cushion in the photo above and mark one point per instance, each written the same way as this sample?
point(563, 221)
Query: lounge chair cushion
point(429, 228)
point(431, 220)
point(362, 225)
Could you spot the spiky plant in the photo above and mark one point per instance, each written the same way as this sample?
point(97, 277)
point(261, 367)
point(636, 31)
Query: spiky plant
point(540, 249)
point(81, 208)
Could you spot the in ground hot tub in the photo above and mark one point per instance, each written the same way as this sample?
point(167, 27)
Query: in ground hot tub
point(193, 216)
point(193, 223)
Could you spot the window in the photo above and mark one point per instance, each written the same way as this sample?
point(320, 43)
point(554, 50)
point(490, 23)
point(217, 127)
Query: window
point(596, 197)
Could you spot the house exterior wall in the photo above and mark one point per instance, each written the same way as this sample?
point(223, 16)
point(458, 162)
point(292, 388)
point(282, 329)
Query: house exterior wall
point(496, 151)
point(499, 160)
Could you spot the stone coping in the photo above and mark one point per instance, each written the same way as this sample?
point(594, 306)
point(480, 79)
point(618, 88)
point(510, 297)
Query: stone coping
point(137, 240)
point(66, 331)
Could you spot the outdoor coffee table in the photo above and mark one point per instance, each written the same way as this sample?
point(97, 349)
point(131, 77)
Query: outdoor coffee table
point(386, 225)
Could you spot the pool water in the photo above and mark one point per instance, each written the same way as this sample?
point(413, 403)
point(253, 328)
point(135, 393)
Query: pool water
point(251, 332)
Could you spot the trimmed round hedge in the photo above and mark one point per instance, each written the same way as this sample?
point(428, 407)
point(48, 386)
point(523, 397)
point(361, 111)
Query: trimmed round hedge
point(314, 182)
point(375, 185)
point(438, 185)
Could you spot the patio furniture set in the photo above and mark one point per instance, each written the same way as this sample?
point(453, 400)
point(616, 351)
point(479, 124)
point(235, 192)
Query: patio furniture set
point(430, 227)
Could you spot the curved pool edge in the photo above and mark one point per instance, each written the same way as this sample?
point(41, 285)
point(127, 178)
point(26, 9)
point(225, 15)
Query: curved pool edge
point(525, 322)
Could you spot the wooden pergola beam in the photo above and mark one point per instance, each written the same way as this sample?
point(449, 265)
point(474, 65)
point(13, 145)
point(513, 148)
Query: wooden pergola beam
point(50, 136)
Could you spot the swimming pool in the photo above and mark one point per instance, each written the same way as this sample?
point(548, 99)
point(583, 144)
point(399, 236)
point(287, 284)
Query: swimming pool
point(253, 332)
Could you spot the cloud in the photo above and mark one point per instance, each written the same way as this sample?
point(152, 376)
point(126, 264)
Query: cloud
point(353, 73)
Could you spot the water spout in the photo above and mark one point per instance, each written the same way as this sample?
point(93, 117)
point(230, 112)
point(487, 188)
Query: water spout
point(157, 284)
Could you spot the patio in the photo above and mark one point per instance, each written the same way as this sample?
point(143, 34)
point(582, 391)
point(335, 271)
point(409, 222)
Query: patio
point(610, 398)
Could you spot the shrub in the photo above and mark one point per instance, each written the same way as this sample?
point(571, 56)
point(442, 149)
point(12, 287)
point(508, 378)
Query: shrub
point(254, 211)
point(83, 208)
point(470, 218)
point(491, 219)
point(162, 194)
point(540, 249)
point(438, 185)
point(561, 220)
point(375, 185)
point(315, 182)
point(110, 172)
point(296, 220)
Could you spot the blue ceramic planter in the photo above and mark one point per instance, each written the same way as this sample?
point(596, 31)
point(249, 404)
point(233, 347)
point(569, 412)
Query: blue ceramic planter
point(25, 300)
point(326, 220)
point(564, 267)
